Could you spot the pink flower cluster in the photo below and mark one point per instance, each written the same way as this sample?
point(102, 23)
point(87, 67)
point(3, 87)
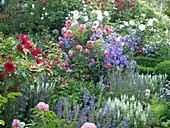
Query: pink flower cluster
point(89, 125)
point(42, 106)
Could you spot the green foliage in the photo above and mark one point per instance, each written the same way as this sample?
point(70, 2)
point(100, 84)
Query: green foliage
point(163, 68)
point(145, 70)
point(147, 62)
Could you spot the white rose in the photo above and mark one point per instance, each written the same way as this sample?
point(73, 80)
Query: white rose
point(156, 20)
point(43, 8)
point(150, 22)
point(99, 17)
point(75, 16)
point(143, 15)
point(96, 23)
point(141, 27)
point(126, 23)
point(86, 18)
point(131, 22)
point(33, 5)
point(106, 13)
point(121, 26)
point(76, 12)
point(98, 12)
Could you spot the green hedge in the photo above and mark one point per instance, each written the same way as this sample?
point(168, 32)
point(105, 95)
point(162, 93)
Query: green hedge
point(162, 68)
point(147, 62)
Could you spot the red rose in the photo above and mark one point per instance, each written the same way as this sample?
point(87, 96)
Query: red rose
point(56, 60)
point(10, 88)
point(45, 56)
point(34, 52)
point(24, 39)
point(28, 46)
point(19, 47)
point(121, 9)
point(102, 9)
point(66, 64)
point(9, 66)
point(118, 1)
point(17, 36)
point(38, 50)
point(38, 60)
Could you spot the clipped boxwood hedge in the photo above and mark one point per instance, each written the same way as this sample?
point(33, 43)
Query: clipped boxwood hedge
point(147, 62)
point(145, 70)
point(162, 68)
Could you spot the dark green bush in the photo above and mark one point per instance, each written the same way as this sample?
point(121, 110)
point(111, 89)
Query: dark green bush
point(163, 68)
point(145, 70)
point(147, 62)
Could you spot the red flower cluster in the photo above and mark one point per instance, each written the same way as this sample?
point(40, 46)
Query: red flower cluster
point(35, 52)
point(140, 50)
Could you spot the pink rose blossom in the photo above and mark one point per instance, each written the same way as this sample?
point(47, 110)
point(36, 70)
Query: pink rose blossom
point(91, 16)
point(107, 65)
point(63, 30)
point(87, 51)
point(60, 50)
point(100, 26)
point(110, 30)
point(41, 105)
point(65, 36)
point(106, 53)
point(61, 42)
point(84, 9)
point(17, 36)
point(104, 31)
point(93, 28)
point(92, 60)
point(15, 123)
point(68, 22)
point(79, 47)
point(70, 52)
point(89, 43)
point(107, 28)
point(82, 26)
point(89, 125)
point(107, 86)
point(69, 32)
point(69, 71)
point(57, 45)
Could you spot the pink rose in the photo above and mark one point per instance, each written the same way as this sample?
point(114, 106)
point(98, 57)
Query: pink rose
point(17, 36)
point(45, 56)
point(89, 125)
point(82, 26)
point(106, 53)
point(9, 66)
point(93, 28)
point(69, 32)
point(69, 71)
point(79, 47)
point(104, 31)
point(107, 65)
point(110, 30)
point(38, 60)
point(41, 105)
point(56, 60)
point(65, 36)
point(89, 43)
point(15, 123)
point(57, 45)
point(60, 49)
point(107, 28)
point(63, 30)
point(66, 64)
point(92, 60)
point(107, 86)
point(70, 52)
point(61, 42)
point(87, 51)
point(100, 26)
point(68, 22)
point(24, 38)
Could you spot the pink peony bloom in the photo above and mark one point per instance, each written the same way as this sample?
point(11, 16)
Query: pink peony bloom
point(89, 43)
point(92, 60)
point(89, 125)
point(107, 28)
point(69, 71)
point(107, 65)
point(70, 52)
point(79, 47)
point(65, 36)
point(41, 105)
point(93, 28)
point(69, 32)
point(68, 22)
point(106, 53)
point(87, 51)
point(15, 123)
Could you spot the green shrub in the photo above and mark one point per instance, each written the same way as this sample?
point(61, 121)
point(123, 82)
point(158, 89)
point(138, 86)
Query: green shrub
point(163, 68)
point(145, 70)
point(147, 62)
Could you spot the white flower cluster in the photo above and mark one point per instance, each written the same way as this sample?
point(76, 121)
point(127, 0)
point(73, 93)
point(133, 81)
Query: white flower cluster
point(150, 21)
